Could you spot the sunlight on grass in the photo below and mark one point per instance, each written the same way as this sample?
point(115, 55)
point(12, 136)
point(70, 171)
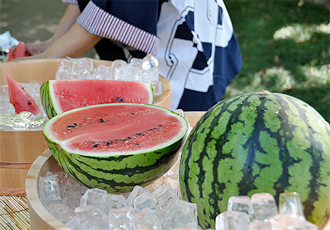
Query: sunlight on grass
point(271, 79)
point(315, 75)
point(300, 33)
point(274, 77)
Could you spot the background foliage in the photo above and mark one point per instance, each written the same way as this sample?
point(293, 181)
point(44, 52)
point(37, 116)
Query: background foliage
point(285, 47)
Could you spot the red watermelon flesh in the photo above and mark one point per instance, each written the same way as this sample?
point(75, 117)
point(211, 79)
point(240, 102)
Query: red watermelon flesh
point(20, 99)
point(19, 51)
point(71, 94)
point(117, 128)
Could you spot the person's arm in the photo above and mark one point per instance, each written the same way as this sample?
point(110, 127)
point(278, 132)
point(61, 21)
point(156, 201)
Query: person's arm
point(74, 43)
point(69, 18)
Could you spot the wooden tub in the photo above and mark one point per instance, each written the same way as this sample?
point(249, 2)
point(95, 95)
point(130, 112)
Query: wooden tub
point(19, 148)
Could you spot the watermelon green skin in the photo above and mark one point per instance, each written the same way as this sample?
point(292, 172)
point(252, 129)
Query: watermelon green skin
point(253, 143)
point(115, 172)
point(58, 96)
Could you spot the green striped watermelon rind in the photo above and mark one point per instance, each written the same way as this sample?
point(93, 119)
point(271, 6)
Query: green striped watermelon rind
point(46, 101)
point(116, 173)
point(294, 134)
point(52, 107)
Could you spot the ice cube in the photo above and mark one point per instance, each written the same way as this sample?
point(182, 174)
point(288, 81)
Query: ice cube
point(5, 107)
point(125, 72)
point(93, 196)
point(144, 200)
point(80, 69)
point(49, 189)
point(147, 76)
point(72, 199)
point(264, 206)
point(241, 204)
point(121, 217)
point(287, 222)
point(115, 65)
point(181, 213)
point(102, 72)
point(165, 195)
point(137, 191)
point(137, 62)
point(232, 220)
point(61, 212)
point(173, 181)
point(290, 203)
point(113, 201)
point(146, 219)
point(79, 221)
point(149, 62)
point(260, 225)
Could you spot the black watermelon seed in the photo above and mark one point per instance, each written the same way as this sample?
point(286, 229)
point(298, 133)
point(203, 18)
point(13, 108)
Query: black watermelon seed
point(96, 145)
point(101, 120)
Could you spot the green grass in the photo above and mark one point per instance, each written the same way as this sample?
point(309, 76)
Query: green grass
point(285, 48)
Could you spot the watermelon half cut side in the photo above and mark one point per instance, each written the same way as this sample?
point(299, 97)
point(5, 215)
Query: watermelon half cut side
point(58, 96)
point(116, 146)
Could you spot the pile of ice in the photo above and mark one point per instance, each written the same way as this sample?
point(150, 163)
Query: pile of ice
point(24, 120)
point(160, 206)
point(140, 70)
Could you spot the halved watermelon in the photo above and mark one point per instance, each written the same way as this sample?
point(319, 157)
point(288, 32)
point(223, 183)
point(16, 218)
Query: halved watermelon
point(116, 146)
point(58, 96)
point(22, 100)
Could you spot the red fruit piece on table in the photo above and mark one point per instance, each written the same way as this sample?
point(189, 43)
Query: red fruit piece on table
point(19, 51)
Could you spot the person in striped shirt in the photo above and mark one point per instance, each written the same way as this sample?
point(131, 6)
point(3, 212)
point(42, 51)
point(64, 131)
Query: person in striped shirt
point(193, 40)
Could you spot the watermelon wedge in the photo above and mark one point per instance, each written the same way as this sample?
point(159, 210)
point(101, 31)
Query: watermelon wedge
point(19, 51)
point(116, 146)
point(58, 96)
point(22, 100)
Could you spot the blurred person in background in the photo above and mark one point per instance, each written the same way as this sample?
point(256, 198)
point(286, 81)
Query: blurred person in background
point(193, 40)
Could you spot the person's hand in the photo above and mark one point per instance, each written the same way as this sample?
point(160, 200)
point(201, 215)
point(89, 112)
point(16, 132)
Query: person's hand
point(40, 47)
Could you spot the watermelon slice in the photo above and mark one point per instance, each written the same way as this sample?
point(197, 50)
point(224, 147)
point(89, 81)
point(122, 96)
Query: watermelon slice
point(22, 100)
point(116, 146)
point(19, 51)
point(58, 96)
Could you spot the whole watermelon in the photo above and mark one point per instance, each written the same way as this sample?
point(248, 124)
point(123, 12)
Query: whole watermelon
point(257, 142)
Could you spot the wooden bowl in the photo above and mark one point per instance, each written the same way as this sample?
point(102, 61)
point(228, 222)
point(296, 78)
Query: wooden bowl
point(19, 148)
point(40, 218)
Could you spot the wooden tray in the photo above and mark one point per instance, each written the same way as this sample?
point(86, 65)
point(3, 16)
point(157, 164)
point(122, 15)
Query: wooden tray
point(19, 148)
